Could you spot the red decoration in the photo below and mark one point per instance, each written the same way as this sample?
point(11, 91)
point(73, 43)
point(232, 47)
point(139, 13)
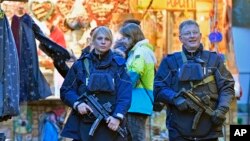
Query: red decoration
point(101, 11)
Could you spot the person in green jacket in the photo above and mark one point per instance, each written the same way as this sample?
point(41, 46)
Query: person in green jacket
point(140, 66)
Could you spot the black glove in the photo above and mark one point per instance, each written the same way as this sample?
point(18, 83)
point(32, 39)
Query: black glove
point(180, 103)
point(219, 115)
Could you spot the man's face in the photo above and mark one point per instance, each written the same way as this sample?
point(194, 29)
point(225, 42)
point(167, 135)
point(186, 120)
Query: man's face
point(102, 43)
point(20, 8)
point(190, 37)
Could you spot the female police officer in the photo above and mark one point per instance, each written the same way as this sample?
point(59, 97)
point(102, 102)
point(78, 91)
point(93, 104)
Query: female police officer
point(104, 76)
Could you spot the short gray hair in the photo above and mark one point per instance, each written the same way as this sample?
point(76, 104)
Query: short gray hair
point(187, 22)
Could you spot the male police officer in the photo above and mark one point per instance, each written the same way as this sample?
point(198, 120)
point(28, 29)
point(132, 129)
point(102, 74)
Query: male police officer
point(205, 75)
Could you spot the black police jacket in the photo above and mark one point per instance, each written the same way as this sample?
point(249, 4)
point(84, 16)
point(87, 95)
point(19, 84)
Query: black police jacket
point(167, 85)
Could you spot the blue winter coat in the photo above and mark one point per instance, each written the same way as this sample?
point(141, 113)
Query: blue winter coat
point(33, 85)
point(9, 72)
point(75, 84)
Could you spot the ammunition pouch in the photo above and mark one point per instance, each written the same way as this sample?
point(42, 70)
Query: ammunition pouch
point(191, 71)
point(101, 82)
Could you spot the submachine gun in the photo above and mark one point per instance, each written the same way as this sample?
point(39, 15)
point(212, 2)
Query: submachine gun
point(101, 112)
point(195, 103)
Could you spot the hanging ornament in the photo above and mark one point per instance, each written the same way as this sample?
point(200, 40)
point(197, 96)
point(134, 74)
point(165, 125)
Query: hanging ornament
point(41, 10)
point(101, 10)
point(215, 37)
point(65, 7)
point(77, 18)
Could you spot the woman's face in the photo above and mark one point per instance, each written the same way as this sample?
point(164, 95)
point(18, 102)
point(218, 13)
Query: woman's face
point(102, 43)
point(127, 41)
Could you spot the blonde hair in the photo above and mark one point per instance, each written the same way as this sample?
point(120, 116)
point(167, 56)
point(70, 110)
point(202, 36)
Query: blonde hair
point(103, 30)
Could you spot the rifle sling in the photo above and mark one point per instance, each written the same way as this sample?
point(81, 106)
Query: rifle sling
point(86, 65)
point(152, 101)
point(206, 80)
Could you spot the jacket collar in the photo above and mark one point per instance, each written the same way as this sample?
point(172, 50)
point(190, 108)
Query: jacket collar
point(138, 44)
point(192, 55)
point(104, 62)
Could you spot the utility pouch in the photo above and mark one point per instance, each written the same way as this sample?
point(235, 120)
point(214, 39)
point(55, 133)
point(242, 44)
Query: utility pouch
point(101, 82)
point(190, 72)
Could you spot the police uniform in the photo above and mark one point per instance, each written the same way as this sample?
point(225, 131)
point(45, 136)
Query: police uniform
point(219, 88)
point(75, 84)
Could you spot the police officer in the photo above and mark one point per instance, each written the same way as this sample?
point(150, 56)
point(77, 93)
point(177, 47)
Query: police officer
point(105, 77)
point(205, 75)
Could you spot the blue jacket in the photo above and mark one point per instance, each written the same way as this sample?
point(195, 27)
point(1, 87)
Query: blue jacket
point(50, 132)
point(75, 84)
point(220, 90)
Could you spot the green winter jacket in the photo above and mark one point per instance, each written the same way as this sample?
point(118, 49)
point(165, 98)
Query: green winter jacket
point(140, 65)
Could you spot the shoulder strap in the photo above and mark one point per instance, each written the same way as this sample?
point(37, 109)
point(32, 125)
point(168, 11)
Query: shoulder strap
point(86, 65)
point(213, 59)
point(205, 56)
point(210, 63)
point(184, 57)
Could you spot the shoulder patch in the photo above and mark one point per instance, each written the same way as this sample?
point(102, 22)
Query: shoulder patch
point(137, 56)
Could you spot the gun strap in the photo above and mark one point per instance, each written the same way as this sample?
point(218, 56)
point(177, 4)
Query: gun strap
point(86, 65)
point(152, 101)
point(206, 80)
